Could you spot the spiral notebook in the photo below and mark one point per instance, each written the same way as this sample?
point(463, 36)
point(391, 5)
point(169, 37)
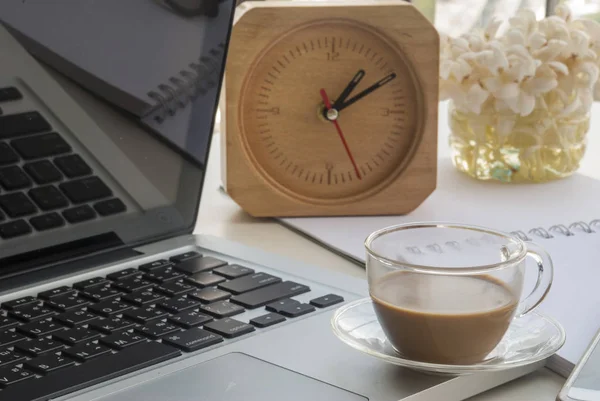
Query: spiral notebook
point(153, 75)
point(558, 215)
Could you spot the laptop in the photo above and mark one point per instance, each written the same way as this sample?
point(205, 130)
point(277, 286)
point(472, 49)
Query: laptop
point(106, 295)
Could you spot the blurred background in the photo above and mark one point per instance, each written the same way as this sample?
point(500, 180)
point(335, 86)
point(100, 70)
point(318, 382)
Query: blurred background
point(455, 17)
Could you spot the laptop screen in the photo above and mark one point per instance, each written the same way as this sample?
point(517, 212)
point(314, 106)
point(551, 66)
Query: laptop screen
point(107, 115)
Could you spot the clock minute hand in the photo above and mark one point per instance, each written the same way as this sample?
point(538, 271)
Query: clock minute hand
point(349, 88)
point(367, 91)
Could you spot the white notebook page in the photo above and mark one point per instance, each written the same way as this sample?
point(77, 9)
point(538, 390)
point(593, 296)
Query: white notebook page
point(574, 298)
point(461, 199)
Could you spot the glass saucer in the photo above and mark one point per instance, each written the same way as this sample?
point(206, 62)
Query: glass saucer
point(529, 339)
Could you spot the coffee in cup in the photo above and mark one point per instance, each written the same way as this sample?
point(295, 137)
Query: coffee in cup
point(451, 301)
point(425, 320)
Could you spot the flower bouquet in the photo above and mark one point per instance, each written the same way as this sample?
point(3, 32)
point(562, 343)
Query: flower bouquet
point(520, 101)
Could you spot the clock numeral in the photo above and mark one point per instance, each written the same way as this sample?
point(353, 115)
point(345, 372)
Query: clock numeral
point(273, 110)
point(333, 56)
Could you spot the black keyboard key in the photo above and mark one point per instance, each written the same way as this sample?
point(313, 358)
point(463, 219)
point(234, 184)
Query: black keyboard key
point(47, 221)
point(48, 363)
point(8, 356)
point(296, 310)
point(184, 256)
point(56, 292)
point(85, 189)
point(13, 177)
point(122, 340)
point(109, 307)
point(233, 271)
point(157, 329)
point(91, 282)
point(174, 288)
point(30, 313)
point(40, 328)
point(15, 303)
point(144, 315)
point(197, 265)
point(229, 328)
point(17, 205)
point(210, 295)
point(10, 93)
point(157, 264)
point(101, 293)
point(14, 229)
point(222, 309)
point(112, 325)
point(7, 322)
point(43, 172)
point(278, 305)
point(73, 166)
point(121, 274)
point(7, 155)
point(326, 300)
point(249, 283)
point(110, 206)
point(133, 284)
point(11, 375)
point(30, 122)
point(193, 339)
point(39, 346)
point(76, 335)
point(35, 147)
point(86, 351)
point(205, 279)
point(48, 198)
point(8, 337)
point(272, 293)
point(76, 318)
point(79, 214)
point(91, 373)
point(142, 298)
point(189, 319)
point(179, 304)
point(163, 275)
point(267, 320)
point(68, 302)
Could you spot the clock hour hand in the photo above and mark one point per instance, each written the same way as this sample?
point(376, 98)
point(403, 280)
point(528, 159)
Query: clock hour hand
point(346, 92)
point(367, 91)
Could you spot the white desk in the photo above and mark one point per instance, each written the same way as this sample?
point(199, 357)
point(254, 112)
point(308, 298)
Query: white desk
point(220, 216)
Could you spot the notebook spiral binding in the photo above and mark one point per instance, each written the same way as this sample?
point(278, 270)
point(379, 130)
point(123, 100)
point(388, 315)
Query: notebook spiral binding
point(568, 231)
point(187, 85)
point(558, 229)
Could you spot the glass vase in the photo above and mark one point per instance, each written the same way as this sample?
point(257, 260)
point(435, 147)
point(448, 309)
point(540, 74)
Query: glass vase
point(540, 147)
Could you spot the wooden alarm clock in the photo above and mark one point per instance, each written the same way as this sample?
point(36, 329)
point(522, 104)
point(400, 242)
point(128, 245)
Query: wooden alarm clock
point(330, 108)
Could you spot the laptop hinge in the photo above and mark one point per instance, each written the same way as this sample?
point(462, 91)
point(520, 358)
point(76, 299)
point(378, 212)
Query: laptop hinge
point(51, 257)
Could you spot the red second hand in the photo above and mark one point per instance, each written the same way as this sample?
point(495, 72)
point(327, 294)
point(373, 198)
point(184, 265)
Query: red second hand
point(339, 130)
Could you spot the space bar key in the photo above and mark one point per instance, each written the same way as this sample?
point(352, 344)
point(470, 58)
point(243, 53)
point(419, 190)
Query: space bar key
point(90, 373)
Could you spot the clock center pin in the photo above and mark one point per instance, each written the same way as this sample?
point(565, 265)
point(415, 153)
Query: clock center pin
point(332, 114)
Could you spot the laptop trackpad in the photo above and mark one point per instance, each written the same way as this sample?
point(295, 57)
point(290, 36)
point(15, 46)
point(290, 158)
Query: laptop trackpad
point(234, 377)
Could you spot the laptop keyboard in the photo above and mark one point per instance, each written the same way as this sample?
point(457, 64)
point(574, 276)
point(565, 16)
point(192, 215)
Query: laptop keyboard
point(45, 185)
point(68, 338)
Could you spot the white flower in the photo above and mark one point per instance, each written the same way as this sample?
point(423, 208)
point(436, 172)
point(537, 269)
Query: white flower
point(458, 69)
point(475, 98)
point(551, 64)
point(563, 11)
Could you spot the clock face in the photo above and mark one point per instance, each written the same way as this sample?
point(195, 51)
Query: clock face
point(330, 111)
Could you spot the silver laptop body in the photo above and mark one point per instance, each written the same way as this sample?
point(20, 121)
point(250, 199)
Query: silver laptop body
point(49, 273)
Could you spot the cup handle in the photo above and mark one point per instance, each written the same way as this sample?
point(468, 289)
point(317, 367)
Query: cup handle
point(544, 280)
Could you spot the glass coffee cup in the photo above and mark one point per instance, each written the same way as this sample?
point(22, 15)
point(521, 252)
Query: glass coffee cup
point(447, 293)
